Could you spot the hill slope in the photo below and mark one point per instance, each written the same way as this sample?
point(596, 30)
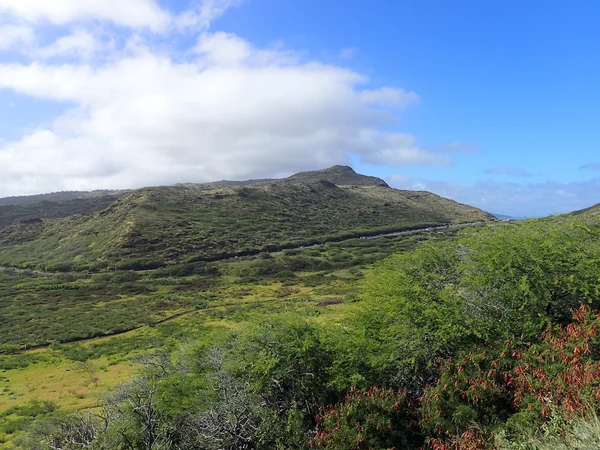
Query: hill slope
point(193, 222)
point(593, 212)
point(57, 197)
point(339, 175)
point(52, 209)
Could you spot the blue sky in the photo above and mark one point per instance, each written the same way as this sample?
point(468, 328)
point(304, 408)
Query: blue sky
point(490, 103)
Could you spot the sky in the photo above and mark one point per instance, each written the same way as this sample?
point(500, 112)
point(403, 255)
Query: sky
point(494, 104)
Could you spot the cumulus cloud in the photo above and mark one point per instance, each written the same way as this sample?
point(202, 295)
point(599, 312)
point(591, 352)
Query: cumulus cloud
point(390, 97)
point(13, 35)
point(397, 149)
point(400, 181)
point(409, 156)
point(136, 114)
point(80, 43)
point(203, 14)
point(348, 52)
point(130, 13)
point(511, 171)
point(456, 147)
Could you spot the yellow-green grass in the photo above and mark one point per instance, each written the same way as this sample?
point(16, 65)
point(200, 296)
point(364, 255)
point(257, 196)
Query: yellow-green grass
point(69, 385)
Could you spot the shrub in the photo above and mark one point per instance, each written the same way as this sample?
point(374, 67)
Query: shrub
point(378, 418)
point(503, 282)
point(139, 264)
point(522, 385)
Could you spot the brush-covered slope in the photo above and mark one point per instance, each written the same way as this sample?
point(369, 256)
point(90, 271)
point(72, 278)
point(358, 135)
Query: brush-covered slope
point(593, 212)
point(191, 222)
point(51, 208)
point(340, 175)
point(58, 197)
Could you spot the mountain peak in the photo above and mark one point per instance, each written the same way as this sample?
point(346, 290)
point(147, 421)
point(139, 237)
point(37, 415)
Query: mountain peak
point(339, 175)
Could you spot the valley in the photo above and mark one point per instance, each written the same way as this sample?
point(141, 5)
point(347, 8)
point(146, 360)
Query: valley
point(240, 286)
point(91, 281)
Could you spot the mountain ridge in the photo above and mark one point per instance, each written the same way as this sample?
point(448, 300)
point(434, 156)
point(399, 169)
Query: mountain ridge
point(181, 223)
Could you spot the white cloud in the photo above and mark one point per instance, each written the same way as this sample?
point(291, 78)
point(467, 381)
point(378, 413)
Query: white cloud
point(591, 165)
point(234, 111)
point(12, 35)
point(142, 110)
point(407, 157)
point(456, 147)
point(511, 171)
point(400, 181)
point(348, 52)
point(129, 13)
point(389, 97)
point(80, 44)
point(203, 14)
point(228, 50)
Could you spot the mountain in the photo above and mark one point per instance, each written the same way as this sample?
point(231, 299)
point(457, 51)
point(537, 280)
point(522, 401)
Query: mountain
point(340, 175)
point(162, 225)
point(58, 205)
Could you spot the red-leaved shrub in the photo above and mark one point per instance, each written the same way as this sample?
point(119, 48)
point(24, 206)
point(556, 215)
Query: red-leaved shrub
point(521, 385)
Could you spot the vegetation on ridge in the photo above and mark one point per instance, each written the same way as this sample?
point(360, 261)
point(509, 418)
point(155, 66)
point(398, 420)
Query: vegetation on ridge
point(153, 227)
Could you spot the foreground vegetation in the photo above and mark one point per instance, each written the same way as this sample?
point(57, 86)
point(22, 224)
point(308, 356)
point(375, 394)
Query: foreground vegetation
point(485, 340)
point(55, 309)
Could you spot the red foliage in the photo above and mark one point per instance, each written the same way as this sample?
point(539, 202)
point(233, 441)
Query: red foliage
point(561, 371)
point(372, 419)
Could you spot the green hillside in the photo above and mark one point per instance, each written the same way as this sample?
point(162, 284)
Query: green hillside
point(58, 197)
point(593, 212)
point(162, 225)
point(340, 175)
point(52, 209)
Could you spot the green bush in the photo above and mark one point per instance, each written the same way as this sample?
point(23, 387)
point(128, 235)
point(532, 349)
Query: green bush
point(375, 419)
point(139, 264)
point(505, 281)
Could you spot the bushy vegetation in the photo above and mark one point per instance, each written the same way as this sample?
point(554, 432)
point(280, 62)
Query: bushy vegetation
point(52, 206)
point(40, 308)
point(378, 418)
